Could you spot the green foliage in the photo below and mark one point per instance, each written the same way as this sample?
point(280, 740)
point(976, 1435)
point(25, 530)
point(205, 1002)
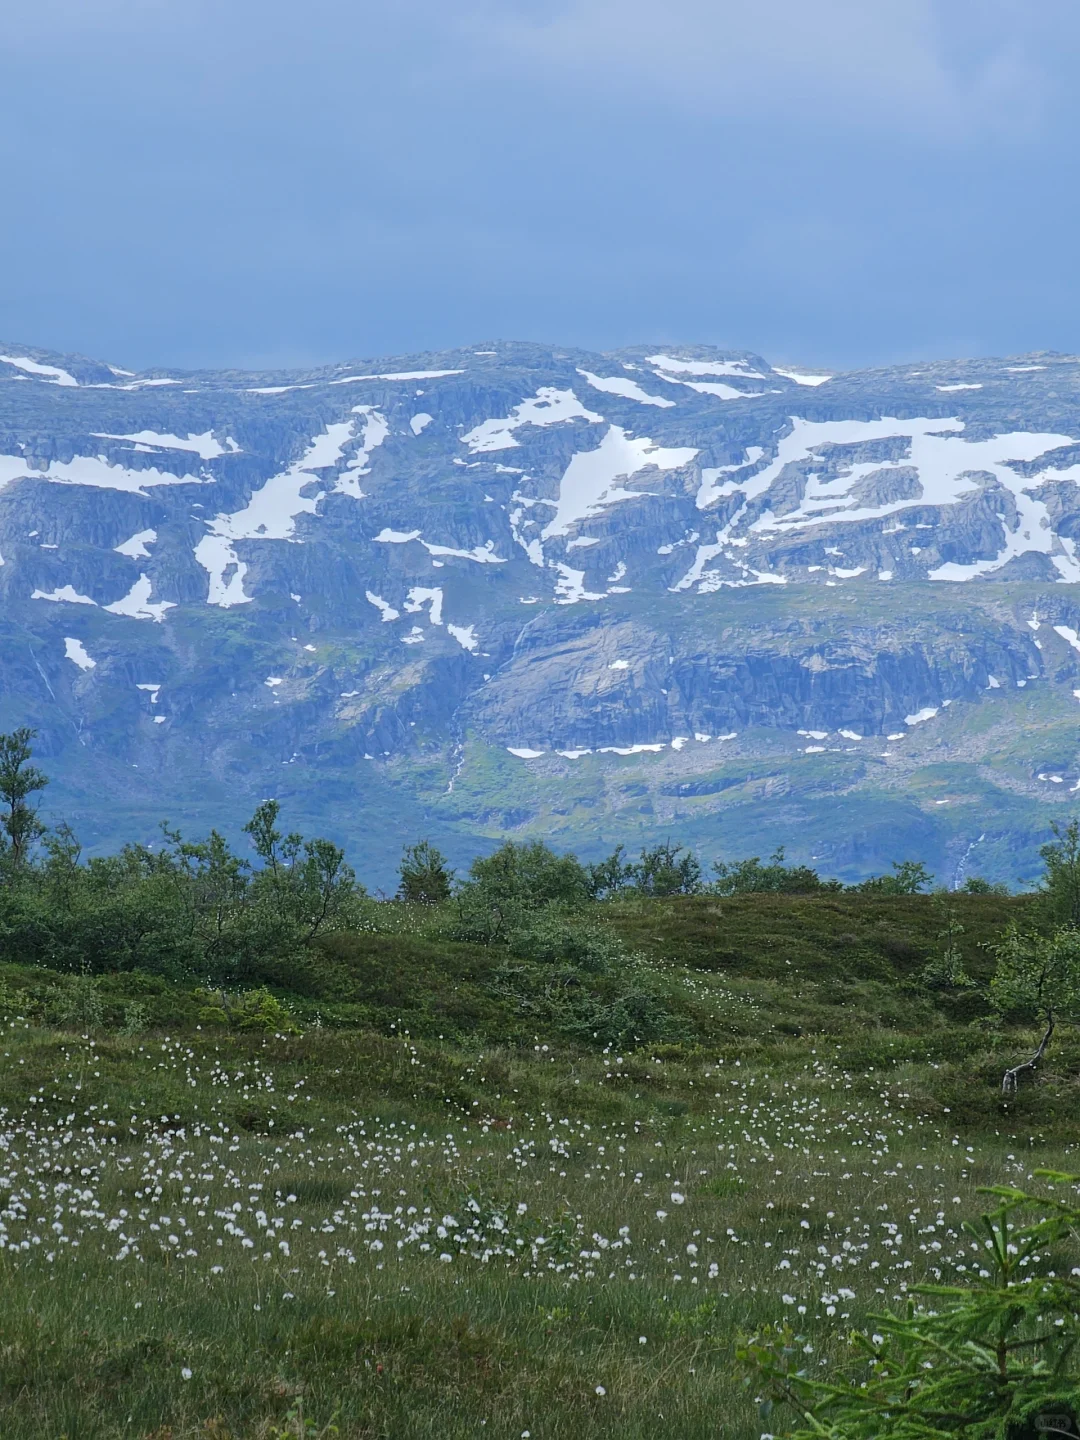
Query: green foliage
point(425, 879)
point(12, 1001)
point(298, 1426)
point(19, 782)
point(976, 885)
point(254, 1010)
point(909, 877)
point(305, 885)
point(1061, 881)
point(665, 869)
point(77, 1005)
point(552, 938)
point(750, 877)
point(178, 909)
point(1037, 975)
point(668, 870)
point(946, 970)
point(980, 1361)
point(531, 875)
point(610, 877)
point(504, 887)
point(1037, 980)
point(136, 1018)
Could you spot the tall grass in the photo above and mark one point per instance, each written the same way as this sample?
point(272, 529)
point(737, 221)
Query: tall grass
point(264, 1236)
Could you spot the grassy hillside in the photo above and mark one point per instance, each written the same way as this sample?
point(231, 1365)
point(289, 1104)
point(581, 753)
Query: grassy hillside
point(428, 1202)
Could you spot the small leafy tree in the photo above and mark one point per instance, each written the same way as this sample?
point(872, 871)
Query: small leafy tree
point(19, 783)
point(946, 971)
point(505, 886)
point(750, 877)
point(909, 877)
point(976, 885)
point(1038, 980)
point(610, 877)
point(79, 1003)
point(983, 1362)
point(425, 879)
point(668, 870)
point(1061, 880)
point(306, 884)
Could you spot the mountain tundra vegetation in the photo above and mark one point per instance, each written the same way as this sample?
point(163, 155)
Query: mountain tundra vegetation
point(613, 1148)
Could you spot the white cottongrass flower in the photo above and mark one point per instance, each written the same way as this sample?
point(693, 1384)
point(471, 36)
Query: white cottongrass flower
point(600, 1390)
point(185, 1373)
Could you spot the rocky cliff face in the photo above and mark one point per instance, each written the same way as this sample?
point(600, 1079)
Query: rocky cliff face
point(516, 589)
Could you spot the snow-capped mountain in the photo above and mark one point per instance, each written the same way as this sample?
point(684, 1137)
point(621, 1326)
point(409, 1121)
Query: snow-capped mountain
point(517, 589)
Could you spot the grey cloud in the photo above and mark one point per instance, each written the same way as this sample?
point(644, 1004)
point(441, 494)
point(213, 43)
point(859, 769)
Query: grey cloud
point(922, 64)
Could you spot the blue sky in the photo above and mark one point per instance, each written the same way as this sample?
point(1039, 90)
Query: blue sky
point(256, 182)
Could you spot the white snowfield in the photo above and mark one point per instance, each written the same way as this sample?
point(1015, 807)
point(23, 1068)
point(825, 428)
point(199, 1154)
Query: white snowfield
point(801, 377)
point(481, 554)
point(628, 389)
point(49, 373)
point(950, 469)
point(706, 367)
point(591, 480)
point(465, 635)
point(713, 387)
point(149, 384)
point(385, 609)
point(94, 471)
point(137, 605)
point(375, 432)
point(549, 406)
point(712, 488)
point(570, 586)
point(75, 651)
point(65, 594)
point(135, 548)
point(808, 502)
point(206, 446)
point(270, 514)
point(396, 375)
point(419, 596)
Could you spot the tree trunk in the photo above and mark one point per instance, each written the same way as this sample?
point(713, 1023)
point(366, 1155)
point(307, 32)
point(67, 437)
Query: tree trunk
point(1011, 1079)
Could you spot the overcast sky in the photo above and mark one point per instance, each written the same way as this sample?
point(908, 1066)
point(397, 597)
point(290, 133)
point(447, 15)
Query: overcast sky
point(264, 182)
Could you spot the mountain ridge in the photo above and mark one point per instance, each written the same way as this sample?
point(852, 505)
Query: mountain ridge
point(517, 589)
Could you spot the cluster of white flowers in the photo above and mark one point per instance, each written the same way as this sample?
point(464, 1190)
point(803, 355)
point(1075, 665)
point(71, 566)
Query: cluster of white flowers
point(784, 1188)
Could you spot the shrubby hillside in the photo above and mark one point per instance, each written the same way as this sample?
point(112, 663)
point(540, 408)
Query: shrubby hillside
point(547, 1147)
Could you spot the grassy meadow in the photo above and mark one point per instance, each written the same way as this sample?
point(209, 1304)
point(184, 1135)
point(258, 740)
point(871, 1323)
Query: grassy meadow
point(425, 1202)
